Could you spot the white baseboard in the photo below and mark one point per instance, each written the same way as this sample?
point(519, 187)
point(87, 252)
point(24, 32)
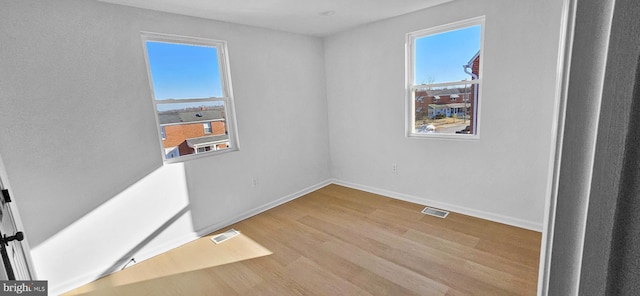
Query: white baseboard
point(445, 206)
point(88, 278)
point(188, 237)
point(263, 208)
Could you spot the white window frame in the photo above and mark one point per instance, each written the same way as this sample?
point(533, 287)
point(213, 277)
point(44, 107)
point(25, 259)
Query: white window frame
point(227, 91)
point(410, 78)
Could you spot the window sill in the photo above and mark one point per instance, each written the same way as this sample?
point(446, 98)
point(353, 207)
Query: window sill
point(459, 137)
point(199, 155)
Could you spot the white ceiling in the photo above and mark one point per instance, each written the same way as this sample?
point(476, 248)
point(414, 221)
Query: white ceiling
point(298, 16)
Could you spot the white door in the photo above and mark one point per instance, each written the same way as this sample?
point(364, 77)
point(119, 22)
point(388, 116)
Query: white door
point(15, 259)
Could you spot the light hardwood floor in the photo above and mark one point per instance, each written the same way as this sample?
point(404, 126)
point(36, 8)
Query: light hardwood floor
point(341, 241)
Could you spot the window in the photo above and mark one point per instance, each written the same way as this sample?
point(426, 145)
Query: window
point(192, 95)
point(443, 80)
point(203, 149)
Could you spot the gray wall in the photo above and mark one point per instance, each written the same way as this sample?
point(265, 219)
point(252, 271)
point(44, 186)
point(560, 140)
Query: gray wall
point(623, 277)
point(594, 246)
point(80, 144)
point(613, 193)
point(578, 145)
point(503, 176)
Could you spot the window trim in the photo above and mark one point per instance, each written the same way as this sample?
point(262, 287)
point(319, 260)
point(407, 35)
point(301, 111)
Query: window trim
point(208, 129)
point(225, 80)
point(410, 87)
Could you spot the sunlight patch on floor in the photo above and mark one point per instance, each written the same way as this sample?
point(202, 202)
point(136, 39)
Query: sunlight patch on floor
point(199, 254)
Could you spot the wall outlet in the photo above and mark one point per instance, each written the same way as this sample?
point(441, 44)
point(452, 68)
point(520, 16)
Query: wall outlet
point(394, 167)
point(254, 181)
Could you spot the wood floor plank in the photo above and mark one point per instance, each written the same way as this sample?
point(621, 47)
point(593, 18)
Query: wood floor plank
point(387, 269)
point(282, 253)
point(475, 255)
point(238, 276)
point(315, 278)
point(443, 264)
point(436, 227)
point(274, 279)
point(378, 285)
point(342, 241)
point(514, 252)
point(503, 280)
point(433, 264)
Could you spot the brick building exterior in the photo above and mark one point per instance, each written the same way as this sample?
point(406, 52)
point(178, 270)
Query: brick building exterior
point(475, 69)
point(193, 131)
point(457, 100)
point(445, 102)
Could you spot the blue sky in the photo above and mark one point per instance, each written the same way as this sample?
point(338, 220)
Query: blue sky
point(180, 71)
point(439, 58)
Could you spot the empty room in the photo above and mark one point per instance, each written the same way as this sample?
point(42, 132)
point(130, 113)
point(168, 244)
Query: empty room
point(288, 147)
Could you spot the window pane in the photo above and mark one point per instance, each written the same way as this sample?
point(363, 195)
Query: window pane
point(184, 71)
point(190, 84)
point(446, 110)
point(443, 71)
point(442, 57)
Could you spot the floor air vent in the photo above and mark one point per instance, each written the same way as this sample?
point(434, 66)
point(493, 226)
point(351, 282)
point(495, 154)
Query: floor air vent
point(435, 212)
point(224, 236)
